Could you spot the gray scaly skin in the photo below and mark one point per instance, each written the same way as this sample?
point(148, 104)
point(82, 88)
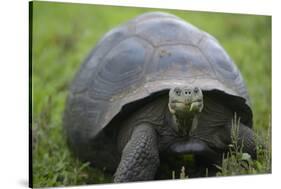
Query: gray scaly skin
point(179, 124)
point(184, 105)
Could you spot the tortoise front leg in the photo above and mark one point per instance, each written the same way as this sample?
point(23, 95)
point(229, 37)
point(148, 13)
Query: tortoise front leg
point(140, 158)
point(246, 139)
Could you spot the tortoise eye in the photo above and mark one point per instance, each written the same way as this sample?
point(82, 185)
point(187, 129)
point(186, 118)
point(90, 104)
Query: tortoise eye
point(177, 91)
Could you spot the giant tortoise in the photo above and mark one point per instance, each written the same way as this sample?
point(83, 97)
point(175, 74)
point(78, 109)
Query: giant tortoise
point(152, 88)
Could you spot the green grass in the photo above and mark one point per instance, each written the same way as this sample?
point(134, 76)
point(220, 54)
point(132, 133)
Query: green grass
point(64, 34)
point(236, 162)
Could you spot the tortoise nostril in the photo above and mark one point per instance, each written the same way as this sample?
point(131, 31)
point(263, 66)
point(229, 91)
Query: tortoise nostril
point(187, 92)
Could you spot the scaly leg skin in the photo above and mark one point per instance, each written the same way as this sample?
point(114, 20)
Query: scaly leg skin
point(246, 138)
point(140, 158)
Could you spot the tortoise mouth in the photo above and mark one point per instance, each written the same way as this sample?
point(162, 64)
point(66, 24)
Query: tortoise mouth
point(187, 103)
point(183, 107)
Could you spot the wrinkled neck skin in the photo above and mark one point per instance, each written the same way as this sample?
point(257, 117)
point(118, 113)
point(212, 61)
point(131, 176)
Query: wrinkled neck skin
point(184, 124)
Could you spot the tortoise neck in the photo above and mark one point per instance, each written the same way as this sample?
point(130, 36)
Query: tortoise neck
point(185, 124)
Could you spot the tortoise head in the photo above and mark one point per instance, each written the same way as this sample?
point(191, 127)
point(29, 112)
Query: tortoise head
point(184, 104)
point(185, 101)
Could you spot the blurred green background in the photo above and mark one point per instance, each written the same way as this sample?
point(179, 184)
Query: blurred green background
point(64, 34)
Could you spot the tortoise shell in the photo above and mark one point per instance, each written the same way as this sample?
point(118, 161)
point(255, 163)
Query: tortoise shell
point(151, 53)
